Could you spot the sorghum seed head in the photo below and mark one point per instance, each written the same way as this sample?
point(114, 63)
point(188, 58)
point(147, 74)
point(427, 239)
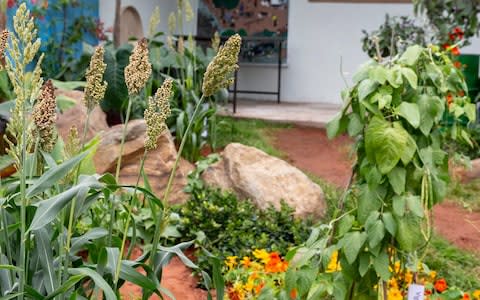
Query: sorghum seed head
point(156, 113)
point(181, 45)
point(139, 69)
point(154, 21)
point(172, 23)
point(188, 11)
point(220, 70)
point(96, 87)
point(3, 43)
point(44, 116)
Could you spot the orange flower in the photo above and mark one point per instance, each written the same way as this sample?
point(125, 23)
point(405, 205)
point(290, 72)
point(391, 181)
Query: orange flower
point(441, 285)
point(455, 51)
point(466, 297)
point(259, 287)
point(449, 99)
point(461, 93)
point(293, 293)
point(276, 264)
point(246, 262)
point(457, 64)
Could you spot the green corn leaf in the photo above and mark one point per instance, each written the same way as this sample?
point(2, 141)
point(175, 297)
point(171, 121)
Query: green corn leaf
point(42, 241)
point(66, 286)
point(49, 209)
point(93, 234)
point(52, 176)
point(99, 281)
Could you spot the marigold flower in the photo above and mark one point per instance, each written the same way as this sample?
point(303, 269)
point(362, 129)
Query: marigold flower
point(261, 255)
point(231, 262)
point(96, 86)
point(476, 295)
point(259, 287)
point(455, 51)
point(275, 264)
point(440, 285)
point(220, 70)
point(432, 275)
point(293, 293)
point(394, 294)
point(139, 69)
point(246, 262)
point(466, 296)
point(457, 64)
point(449, 99)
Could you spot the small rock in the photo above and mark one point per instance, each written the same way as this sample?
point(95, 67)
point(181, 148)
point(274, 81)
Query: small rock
point(266, 180)
point(158, 165)
point(77, 116)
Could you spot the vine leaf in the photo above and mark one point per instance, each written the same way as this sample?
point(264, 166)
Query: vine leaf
point(414, 204)
point(410, 112)
point(398, 204)
point(397, 178)
point(411, 77)
point(408, 233)
point(386, 144)
point(353, 243)
point(376, 233)
point(431, 110)
point(380, 264)
point(365, 88)
point(411, 55)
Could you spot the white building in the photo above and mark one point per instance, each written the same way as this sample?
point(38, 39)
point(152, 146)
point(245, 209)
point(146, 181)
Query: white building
point(323, 38)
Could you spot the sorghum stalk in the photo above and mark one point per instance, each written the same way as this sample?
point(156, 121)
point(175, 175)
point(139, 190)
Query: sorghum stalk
point(137, 74)
point(156, 114)
point(93, 94)
point(22, 49)
point(217, 75)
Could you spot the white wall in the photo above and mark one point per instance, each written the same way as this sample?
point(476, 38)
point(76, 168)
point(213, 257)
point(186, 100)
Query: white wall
point(320, 36)
point(145, 9)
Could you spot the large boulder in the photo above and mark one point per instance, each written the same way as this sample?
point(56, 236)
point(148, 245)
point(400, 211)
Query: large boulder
point(77, 116)
point(158, 165)
point(266, 180)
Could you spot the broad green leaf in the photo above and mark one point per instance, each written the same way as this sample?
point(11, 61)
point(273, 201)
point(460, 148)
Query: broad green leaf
point(49, 209)
point(345, 224)
point(394, 77)
point(390, 224)
point(397, 178)
point(379, 74)
point(411, 55)
point(470, 111)
point(431, 111)
point(381, 263)
point(336, 126)
point(384, 101)
point(385, 144)
point(411, 77)
point(355, 125)
point(99, 281)
point(398, 203)
point(66, 286)
point(353, 244)
point(414, 204)
point(410, 150)
point(410, 112)
point(43, 244)
point(365, 88)
point(364, 263)
point(376, 232)
point(52, 176)
point(93, 234)
point(129, 274)
point(408, 235)
point(368, 201)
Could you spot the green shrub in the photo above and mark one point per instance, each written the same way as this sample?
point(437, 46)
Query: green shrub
point(225, 226)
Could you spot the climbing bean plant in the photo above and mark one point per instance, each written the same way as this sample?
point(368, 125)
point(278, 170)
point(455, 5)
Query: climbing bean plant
point(400, 111)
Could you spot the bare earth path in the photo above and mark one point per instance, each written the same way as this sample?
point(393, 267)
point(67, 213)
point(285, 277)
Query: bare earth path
point(310, 150)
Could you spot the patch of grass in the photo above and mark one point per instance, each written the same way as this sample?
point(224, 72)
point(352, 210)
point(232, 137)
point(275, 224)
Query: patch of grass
point(466, 194)
point(458, 267)
point(253, 133)
point(332, 195)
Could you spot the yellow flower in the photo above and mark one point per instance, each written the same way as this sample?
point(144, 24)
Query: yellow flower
point(262, 255)
point(408, 277)
point(476, 295)
point(333, 265)
point(231, 262)
point(433, 274)
point(397, 267)
point(238, 288)
point(393, 283)
point(256, 266)
point(394, 294)
point(246, 262)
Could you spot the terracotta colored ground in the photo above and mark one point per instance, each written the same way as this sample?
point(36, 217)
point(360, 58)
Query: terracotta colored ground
point(310, 150)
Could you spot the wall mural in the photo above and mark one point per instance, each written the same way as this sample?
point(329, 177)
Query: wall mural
point(255, 19)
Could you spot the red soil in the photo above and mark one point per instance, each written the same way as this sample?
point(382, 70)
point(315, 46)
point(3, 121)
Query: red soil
point(310, 150)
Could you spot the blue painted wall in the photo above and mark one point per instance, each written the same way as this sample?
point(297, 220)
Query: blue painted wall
point(51, 25)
